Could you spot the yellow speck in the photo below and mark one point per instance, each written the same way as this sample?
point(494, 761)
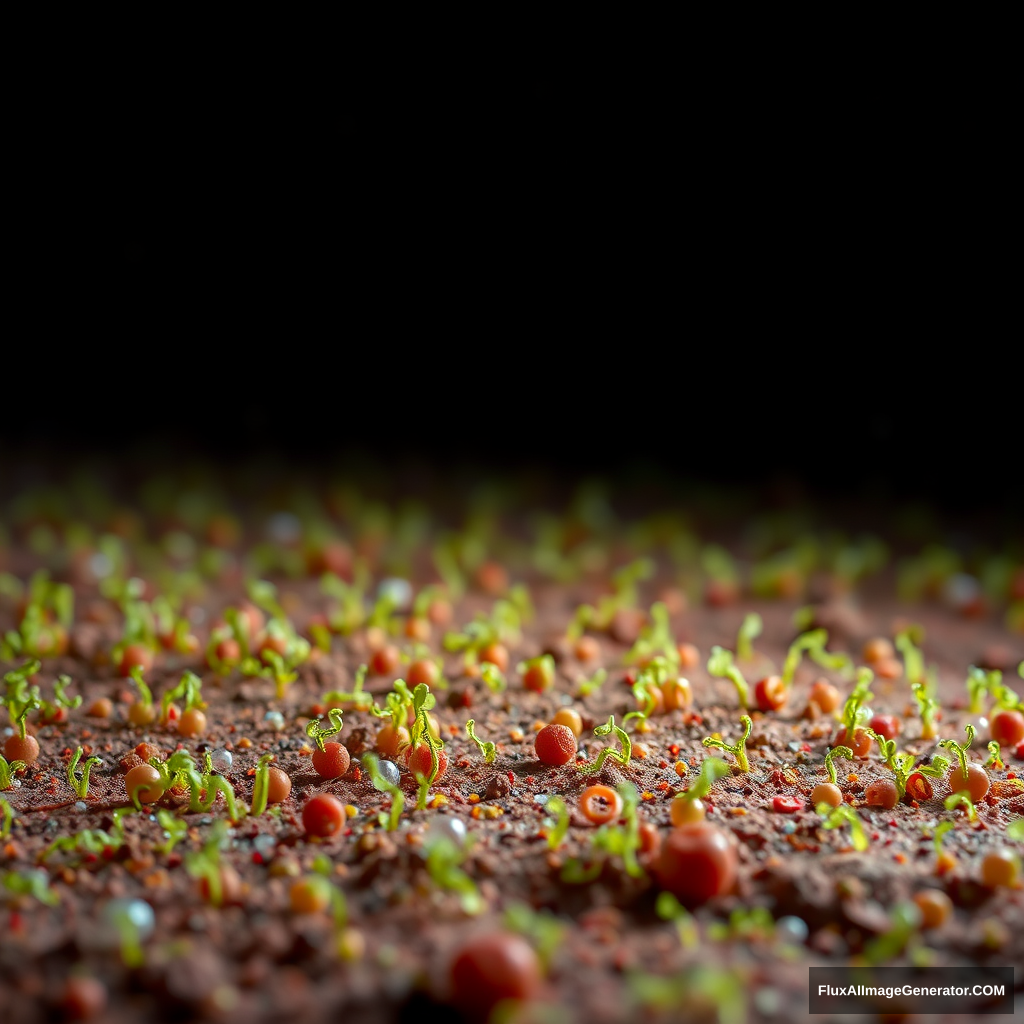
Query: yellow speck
point(644, 726)
point(474, 798)
point(351, 810)
point(439, 800)
point(487, 812)
point(245, 743)
point(737, 812)
point(537, 726)
point(640, 751)
point(305, 751)
point(647, 795)
point(681, 768)
point(516, 735)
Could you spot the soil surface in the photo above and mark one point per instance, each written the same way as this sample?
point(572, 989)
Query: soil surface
point(609, 956)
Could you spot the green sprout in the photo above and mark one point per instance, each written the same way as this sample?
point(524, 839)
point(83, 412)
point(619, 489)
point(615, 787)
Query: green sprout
point(750, 629)
point(625, 581)
point(961, 750)
point(655, 638)
point(623, 756)
point(903, 767)
point(745, 923)
point(422, 701)
point(668, 908)
point(261, 785)
point(323, 867)
point(283, 675)
point(89, 841)
point(581, 619)
point(979, 684)
point(318, 733)
point(844, 814)
point(699, 986)
point(994, 758)
point(350, 613)
point(711, 770)
point(493, 677)
point(21, 698)
point(544, 930)
point(594, 683)
point(811, 640)
point(372, 765)
point(174, 827)
point(51, 711)
point(8, 770)
point(7, 820)
point(844, 752)
point(1006, 698)
point(1015, 829)
point(927, 705)
point(444, 858)
point(737, 749)
point(205, 863)
point(213, 784)
point(913, 659)
point(358, 697)
point(35, 883)
point(81, 785)
point(488, 749)
point(961, 799)
point(170, 625)
point(855, 715)
point(940, 834)
point(906, 922)
point(720, 663)
point(560, 824)
point(643, 689)
point(834, 661)
point(190, 689)
point(611, 840)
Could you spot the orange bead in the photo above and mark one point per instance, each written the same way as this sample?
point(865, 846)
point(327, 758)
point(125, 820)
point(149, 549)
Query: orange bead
point(600, 804)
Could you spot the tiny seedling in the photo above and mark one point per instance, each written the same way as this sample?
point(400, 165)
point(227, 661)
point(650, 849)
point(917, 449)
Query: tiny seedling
point(668, 908)
point(622, 756)
point(204, 864)
point(54, 711)
point(721, 664)
point(81, 785)
point(558, 824)
point(323, 868)
point(318, 733)
point(994, 758)
point(488, 749)
point(261, 785)
point(594, 683)
point(444, 860)
point(655, 639)
point(189, 689)
point(212, 784)
point(961, 799)
point(960, 750)
point(8, 770)
point(844, 814)
point(811, 640)
point(745, 923)
point(906, 922)
point(493, 677)
point(422, 701)
point(855, 715)
point(92, 841)
point(831, 755)
point(581, 619)
point(20, 697)
point(711, 770)
point(281, 671)
point(927, 706)
point(357, 697)
point(913, 659)
point(7, 818)
point(750, 629)
point(981, 683)
point(174, 830)
point(939, 836)
point(372, 765)
point(737, 749)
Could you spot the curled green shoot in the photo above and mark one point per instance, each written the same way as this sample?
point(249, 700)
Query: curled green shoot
point(390, 821)
point(488, 749)
point(81, 785)
point(994, 758)
point(261, 785)
point(844, 814)
point(594, 683)
point(711, 770)
point(737, 749)
point(855, 715)
point(750, 629)
point(357, 697)
point(622, 756)
point(145, 694)
point(8, 770)
point(961, 799)
point(643, 691)
point(886, 747)
point(218, 784)
point(843, 752)
point(668, 908)
point(834, 661)
point(804, 642)
point(721, 664)
point(1006, 699)
point(7, 819)
point(189, 690)
point(960, 750)
point(181, 768)
point(913, 659)
point(20, 697)
point(557, 823)
point(282, 673)
point(174, 829)
point(318, 733)
point(60, 699)
point(493, 677)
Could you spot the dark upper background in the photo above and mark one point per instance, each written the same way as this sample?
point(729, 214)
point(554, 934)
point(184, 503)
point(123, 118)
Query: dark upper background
point(511, 271)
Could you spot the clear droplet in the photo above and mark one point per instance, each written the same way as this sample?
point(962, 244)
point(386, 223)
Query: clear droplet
point(390, 771)
point(221, 760)
point(274, 720)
